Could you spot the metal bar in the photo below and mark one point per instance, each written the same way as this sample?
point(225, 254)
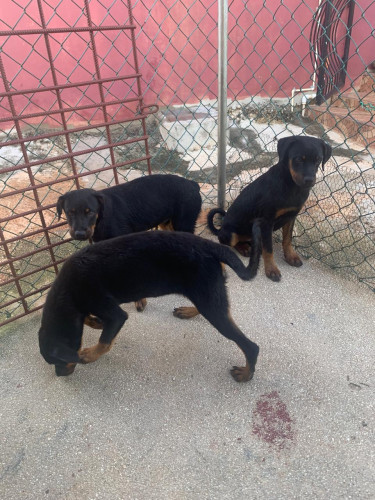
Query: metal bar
point(83, 29)
point(72, 130)
point(222, 100)
point(66, 85)
point(68, 155)
point(19, 316)
point(34, 271)
point(71, 177)
point(30, 254)
point(9, 262)
point(34, 233)
point(136, 67)
point(349, 27)
point(101, 91)
point(69, 110)
point(55, 82)
point(31, 179)
point(27, 295)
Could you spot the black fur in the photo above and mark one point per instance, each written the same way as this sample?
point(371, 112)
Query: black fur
point(138, 205)
point(274, 199)
point(98, 278)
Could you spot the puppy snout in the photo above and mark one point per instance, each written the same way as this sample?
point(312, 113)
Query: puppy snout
point(80, 235)
point(309, 181)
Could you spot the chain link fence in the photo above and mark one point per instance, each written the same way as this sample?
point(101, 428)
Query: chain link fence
point(81, 83)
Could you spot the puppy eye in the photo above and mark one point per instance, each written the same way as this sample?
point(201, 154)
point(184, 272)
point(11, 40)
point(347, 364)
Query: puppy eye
point(71, 212)
point(87, 210)
point(298, 159)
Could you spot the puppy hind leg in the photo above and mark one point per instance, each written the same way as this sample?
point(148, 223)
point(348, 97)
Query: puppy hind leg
point(216, 311)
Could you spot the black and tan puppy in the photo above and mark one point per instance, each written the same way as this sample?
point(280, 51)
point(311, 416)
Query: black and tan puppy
point(137, 205)
point(275, 198)
point(98, 278)
point(168, 201)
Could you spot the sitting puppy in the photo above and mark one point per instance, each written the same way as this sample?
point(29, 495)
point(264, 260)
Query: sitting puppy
point(276, 198)
point(168, 201)
point(95, 280)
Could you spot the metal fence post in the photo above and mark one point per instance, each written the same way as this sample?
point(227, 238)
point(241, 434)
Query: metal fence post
point(222, 99)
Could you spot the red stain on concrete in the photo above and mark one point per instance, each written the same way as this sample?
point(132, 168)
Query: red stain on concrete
point(272, 422)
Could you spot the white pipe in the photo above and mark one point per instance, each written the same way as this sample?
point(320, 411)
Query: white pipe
point(311, 90)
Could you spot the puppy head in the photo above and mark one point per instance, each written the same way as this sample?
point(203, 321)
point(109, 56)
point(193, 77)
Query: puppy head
point(82, 208)
point(62, 356)
point(302, 156)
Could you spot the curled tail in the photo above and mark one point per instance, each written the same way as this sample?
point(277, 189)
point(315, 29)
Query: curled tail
point(230, 258)
point(210, 219)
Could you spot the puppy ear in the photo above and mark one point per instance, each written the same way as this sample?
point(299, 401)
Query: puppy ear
point(327, 152)
point(100, 199)
point(283, 145)
point(60, 206)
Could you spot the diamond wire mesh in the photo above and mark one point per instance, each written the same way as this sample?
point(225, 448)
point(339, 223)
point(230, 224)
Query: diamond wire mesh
point(274, 51)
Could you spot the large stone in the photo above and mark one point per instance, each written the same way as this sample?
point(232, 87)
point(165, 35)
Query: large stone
point(190, 130)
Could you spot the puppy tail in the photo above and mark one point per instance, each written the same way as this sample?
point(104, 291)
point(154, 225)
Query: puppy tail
point(231, 259)
point(255, 249)
point(210, 219)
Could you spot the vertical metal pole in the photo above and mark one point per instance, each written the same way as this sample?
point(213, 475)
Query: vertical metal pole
point(222, 100)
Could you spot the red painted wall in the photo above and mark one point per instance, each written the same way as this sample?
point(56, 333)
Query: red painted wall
point(268, 51)
point(362, 49)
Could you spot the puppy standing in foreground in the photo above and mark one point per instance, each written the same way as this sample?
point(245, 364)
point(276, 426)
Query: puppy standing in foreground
point(98, 278)
point(275, 198)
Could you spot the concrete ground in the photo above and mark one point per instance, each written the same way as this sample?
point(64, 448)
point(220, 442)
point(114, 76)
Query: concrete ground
point(159, 417)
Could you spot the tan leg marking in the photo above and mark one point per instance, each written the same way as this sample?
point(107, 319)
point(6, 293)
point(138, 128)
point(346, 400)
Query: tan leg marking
point(166, 226)
point(283, 211)
point(234, 240)
point(91, 354)
point(70, 367)
point(291, 256)
point(240, 243)
point(185, 312)
point(272, 271)
point(93, 322)
point(242, 373)
point(140, 305)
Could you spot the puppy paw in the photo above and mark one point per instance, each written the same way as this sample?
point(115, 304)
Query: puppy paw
point(293, 259)
point(88, 355)
point(140, 305)
point(243, 248)
point(273, 274)
point(185, 312)
point(241, 373)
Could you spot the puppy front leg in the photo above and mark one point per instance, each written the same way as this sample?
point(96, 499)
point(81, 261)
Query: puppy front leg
point(113, 322)
point(271, 269)
point(291, 256)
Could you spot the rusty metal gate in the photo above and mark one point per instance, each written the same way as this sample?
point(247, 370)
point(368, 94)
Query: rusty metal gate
point(48, 132)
